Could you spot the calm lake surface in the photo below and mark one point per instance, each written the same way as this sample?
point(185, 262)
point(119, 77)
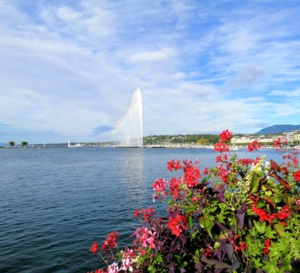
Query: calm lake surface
point(56, 202)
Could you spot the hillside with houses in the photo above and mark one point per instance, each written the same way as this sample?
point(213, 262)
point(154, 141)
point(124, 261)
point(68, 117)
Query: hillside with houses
point(292, 138)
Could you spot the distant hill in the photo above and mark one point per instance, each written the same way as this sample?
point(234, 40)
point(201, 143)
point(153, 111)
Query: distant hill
point(275, 129)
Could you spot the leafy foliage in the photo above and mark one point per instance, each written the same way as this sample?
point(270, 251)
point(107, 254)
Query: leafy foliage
point(241, 216)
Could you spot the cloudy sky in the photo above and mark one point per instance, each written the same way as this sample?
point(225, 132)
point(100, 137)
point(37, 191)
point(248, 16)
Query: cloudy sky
point(68, 68)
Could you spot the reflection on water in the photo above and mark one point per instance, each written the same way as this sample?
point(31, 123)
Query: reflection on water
point(56, 202)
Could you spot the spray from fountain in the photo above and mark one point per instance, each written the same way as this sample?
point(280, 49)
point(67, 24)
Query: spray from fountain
point(132, 135)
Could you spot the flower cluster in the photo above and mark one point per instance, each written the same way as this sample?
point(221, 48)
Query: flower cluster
point(240, 216)
point(111, 241)
point(254, 145)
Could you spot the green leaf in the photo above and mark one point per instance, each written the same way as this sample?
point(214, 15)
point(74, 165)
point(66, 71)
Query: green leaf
point(254, 183)
point(207, 224)
point(279, 228)
point(260, 227)
point(190, 222)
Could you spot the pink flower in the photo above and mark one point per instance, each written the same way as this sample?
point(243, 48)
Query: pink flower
point(145, 237)
point(127, 260)
point(113, 268)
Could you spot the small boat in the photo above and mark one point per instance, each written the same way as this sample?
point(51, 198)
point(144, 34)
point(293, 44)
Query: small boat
point(297, 147)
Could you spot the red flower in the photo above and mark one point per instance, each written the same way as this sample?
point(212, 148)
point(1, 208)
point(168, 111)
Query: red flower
point(222, 158)
point(279, 143)
point(297, 175)
point(243, 246)
point(245, 161)
point(159, 185)
point(207, 252)
point(174, 164)
point(284, 213)
point(221, 147)
point(174, 184)
point(255, 145)
point(136, 213)
point(100, 271)
point(111, 241)
point(266, 250)
point(263, 215)
point(225, 136)
point(191, 176)
point(177, 224)
point(94, 248)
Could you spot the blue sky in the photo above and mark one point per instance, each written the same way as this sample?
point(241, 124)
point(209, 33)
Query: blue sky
point(68, 68)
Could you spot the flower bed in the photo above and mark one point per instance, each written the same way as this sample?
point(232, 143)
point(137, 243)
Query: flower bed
point(240, 216)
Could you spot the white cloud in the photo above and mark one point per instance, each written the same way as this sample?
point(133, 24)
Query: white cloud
point(150, 56)
point(200, 67)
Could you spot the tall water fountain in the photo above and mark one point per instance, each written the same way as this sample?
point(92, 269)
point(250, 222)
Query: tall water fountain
point(132, 134)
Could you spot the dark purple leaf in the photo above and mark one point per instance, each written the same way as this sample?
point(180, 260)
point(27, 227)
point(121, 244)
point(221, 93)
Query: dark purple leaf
point(241, 215)
point(214, 263)
point(220, 197)
point(229, 250)
point(198, 267)
point(240, 219)
point(220, 225)
point(235, 265)
point(171, 268)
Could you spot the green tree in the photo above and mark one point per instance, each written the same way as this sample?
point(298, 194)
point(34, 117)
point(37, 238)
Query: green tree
point(11, 144)
point(202, 141)
point(24, 144)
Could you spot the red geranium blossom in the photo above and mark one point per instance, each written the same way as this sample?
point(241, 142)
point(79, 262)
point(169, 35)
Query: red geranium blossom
point(221, 147)
point(255, 145)
point(225, 136)
point(279, 142)
point(111, 241)
point(263, 215)
point(191, 176)
point(177, 224)
point(174, 164)
point(297, 175)
point(174, 184)
point(159, 185)
point(267, 246)
point(94, 248)
point(284, 213)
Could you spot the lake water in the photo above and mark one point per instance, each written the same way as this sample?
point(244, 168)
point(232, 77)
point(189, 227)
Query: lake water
point(56, 202)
